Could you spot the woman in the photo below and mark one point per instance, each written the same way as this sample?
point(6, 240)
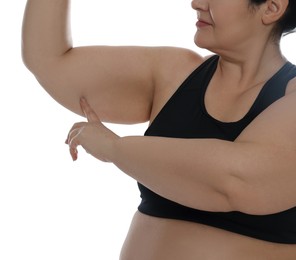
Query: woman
point(216, 167)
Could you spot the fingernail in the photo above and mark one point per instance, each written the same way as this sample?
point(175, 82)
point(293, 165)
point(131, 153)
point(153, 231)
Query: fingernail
point(73, 158)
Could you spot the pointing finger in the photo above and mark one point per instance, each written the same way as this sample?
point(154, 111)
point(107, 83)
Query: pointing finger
point(89, 113)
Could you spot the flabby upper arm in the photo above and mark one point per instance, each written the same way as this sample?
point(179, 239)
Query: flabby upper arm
point(265, 162)
point(276, 125)
point(118, 81)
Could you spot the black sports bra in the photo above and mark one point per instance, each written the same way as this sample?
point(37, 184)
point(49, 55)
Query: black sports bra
point(185, 116)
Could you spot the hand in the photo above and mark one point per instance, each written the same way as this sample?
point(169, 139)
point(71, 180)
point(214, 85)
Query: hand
point(93, 136)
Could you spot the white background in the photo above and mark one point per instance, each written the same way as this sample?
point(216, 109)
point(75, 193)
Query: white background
point(50, 207)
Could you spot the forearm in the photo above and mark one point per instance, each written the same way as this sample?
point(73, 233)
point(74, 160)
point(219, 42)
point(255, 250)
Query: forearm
point(46, 31)
point(251, 175)
point(190, 172)
point(255, 174)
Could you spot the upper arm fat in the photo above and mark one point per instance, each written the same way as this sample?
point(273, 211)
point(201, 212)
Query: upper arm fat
point(121, 83)
point(117, 81)
point(266, 161)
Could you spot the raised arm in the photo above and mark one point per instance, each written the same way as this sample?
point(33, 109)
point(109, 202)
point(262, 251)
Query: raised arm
point(119, 82)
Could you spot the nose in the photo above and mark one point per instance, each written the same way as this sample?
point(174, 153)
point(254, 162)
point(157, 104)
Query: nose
point(200, 5)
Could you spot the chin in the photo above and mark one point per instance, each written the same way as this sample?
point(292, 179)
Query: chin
point(201, 42)
point(206, 43)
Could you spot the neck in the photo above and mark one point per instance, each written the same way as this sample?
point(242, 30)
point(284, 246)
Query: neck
point(252, 66)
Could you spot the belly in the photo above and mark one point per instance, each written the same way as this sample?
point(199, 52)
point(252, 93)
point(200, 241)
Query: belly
point(151, 238)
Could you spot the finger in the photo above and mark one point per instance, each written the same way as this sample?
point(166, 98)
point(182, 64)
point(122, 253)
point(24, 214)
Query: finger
point(74, 142)
point(75, 126)
point(74, 154)
point(89, 113)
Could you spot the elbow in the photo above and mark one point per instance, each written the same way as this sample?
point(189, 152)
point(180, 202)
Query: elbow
point(238, 197)
point(44, 69)
point(27, 58)
point(29, 64)
point(39, 62)
point(250, 199)
point(36, 64)
point(33, 62)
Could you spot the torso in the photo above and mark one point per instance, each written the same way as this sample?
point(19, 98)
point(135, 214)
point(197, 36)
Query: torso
point(151, 238)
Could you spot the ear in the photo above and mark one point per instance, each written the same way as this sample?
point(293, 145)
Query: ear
point(274, 10)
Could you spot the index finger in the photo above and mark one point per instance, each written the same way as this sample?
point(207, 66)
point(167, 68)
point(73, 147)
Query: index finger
point(89, 113)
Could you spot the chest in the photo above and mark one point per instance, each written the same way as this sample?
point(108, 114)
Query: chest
point(229, 104)
point(204, 107)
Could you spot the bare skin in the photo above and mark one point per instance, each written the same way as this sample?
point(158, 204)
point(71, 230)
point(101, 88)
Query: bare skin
point(158, 239)
point(118, 88)
point(151, 238)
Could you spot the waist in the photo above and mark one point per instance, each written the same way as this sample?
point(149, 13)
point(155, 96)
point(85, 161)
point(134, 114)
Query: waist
point(277, 228)
point(152, 238)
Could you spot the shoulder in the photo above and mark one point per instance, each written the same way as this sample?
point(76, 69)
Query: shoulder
point(291, 87)
point(171, 67)
point(276, 125)
point(172, 57)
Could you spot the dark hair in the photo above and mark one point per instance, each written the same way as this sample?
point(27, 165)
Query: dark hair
point(287, 23)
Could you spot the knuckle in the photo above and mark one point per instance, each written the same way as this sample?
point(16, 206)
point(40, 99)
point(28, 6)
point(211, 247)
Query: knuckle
point(78, 124)
point(74, 142)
